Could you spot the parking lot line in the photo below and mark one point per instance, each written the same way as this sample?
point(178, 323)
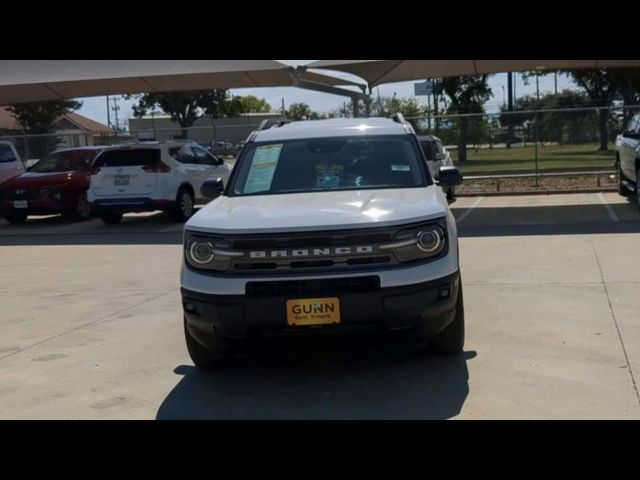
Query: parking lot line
point(610, 212)
point(468, 211)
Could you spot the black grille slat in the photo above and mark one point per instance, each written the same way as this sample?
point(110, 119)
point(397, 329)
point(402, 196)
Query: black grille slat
point(313, 288)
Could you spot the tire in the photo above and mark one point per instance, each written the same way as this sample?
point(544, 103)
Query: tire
point(205, 357)
point(184, 205)
point(16, 218)
point(82, 210)
point(622, 190)
point(451, 340)
point(111, 218)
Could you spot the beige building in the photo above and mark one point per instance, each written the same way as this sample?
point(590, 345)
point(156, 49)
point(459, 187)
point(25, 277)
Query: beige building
point(205, 130)
point(78, 129)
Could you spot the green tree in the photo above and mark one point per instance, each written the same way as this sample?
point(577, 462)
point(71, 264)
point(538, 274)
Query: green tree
point(250, 104)
point(467, 94)
point(38, 118)
point(628, 81)
point(301, 111)
point(185, 108)
point(601, 87)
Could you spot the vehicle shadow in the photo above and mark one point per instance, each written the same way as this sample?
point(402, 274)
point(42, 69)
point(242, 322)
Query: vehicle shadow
point(324, 383)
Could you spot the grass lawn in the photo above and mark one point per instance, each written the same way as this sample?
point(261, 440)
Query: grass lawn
point(521, 159)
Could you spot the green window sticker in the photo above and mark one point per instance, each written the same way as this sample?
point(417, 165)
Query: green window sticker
point(263, 166)
point(400, 168)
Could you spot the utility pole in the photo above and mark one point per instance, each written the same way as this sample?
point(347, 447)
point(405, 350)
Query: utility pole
point(115, 111)
point(555, 81)
point(108, 113)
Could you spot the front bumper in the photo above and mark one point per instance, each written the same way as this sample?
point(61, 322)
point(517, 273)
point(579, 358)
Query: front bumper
point(426, 307)
point(130, 205)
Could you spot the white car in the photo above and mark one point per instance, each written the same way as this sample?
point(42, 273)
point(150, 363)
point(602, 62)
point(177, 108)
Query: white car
point(10, 162)
point(325, 227)
point(437, 156)
point(151, 176)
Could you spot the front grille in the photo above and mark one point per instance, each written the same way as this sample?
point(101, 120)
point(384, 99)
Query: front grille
point(19, 194)
point(313, 288)
point(307, 264)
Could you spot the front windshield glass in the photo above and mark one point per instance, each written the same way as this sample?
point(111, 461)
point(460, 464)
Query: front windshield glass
point(321, 164)
point(72, 160)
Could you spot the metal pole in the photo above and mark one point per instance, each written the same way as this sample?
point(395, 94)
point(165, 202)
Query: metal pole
point(510, 95)
point(535, 127)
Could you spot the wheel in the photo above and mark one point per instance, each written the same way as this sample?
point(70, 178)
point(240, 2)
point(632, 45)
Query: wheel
point(16, 218)
point(183, 208)
point(205, 357)
point(111, 218)
point(82, 209)
point(622, 189)
point(451, 340)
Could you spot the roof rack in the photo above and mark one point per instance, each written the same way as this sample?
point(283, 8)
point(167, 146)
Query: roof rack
point(399, 118)
point(280, 123)
point(263, 124)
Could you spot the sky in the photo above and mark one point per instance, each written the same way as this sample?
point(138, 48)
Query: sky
point(96, 107)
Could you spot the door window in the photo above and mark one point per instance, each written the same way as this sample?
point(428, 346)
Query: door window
point(6, 153)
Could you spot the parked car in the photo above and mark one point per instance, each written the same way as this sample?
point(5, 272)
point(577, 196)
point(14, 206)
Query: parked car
point(325, 227)
point(224, 149)
point(628, 159)
point(11, 164)
point(57, 184)
point(437, 156)
point(141, 177)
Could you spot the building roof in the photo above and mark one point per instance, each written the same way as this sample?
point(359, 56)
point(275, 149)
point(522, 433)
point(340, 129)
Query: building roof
point(8, 122)
point(335, 127)
point(87, 124)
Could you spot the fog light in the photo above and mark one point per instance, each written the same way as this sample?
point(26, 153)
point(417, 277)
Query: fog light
point(189, 307)
point(444, 293)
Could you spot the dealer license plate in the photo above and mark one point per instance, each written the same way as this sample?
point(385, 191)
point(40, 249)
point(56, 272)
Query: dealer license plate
point(313, 311)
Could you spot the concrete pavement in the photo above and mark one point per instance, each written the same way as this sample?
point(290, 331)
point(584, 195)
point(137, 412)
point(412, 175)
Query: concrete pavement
point(91, 328)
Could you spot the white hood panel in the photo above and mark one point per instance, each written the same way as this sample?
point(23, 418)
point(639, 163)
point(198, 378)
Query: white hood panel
point(319, 210)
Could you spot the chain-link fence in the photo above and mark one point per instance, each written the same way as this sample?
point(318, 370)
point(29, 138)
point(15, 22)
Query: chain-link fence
point(577, 139)
point(222, 139)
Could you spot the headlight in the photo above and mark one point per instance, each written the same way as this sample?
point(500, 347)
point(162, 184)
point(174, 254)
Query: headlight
point(420, 243)
point(201, 252)
point(207, 253)
point(431, 240)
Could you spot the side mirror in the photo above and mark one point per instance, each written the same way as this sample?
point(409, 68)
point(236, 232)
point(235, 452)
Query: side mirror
point(449, 176)
point(440, 156)
point(212, 188)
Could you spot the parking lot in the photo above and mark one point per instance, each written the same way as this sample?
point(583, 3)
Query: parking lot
point(91, 326)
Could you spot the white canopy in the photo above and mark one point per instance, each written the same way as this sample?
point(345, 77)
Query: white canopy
point(37, 80)
point(376, 72)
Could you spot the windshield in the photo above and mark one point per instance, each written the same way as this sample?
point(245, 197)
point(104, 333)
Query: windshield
point(322, 164)
point(71, 160)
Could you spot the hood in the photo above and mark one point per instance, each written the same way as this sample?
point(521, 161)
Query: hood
point(31, 180)
point(319, 210)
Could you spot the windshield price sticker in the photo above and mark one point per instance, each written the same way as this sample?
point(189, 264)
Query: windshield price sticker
point(263, 166)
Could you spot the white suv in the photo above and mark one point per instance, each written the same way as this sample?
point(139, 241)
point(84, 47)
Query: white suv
point(330, 226)
point(152, 176)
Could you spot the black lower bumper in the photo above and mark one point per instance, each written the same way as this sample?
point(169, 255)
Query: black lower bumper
point(129, 205)
point(427, 307)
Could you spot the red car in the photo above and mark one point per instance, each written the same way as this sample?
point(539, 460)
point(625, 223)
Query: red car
point(56, 184)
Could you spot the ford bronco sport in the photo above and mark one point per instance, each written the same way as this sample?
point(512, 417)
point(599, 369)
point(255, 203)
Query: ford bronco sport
point(329, 226)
